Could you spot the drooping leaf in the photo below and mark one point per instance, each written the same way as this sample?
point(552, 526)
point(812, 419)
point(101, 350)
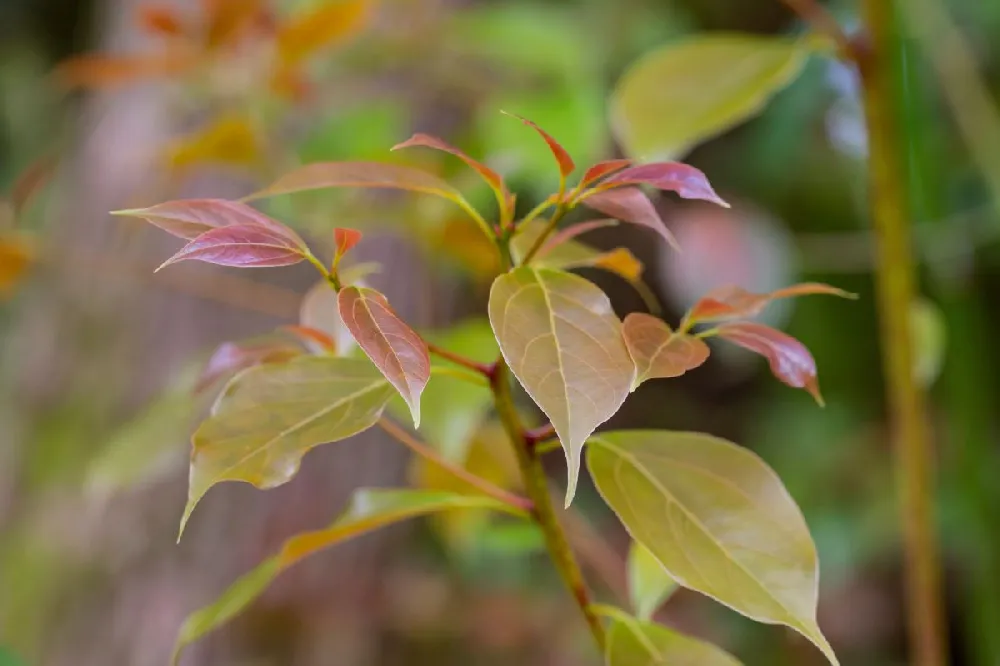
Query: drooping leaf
point(732, 302)
point(190, 218)
point(600, 170)
point(242, 246)
point(658, 351)
point(395, 348)
point(633, 642)
point(492, 178)
point(629, 204)
point(369, 509)
point(16, 255)
point(271, 415)
point(303, 35)
point(228, 140)
point(649, 585)
point(319, 310)
point(683, 93)
point(563, 342)
point(687, 181)
point(563, 159)
point(717, 518)
point(232, 357)
point(789, 359)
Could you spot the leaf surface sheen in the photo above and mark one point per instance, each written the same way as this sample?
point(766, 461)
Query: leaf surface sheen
point(396, 349)
point(649, 585)
point(629, 204)
point(717, 518)
point(271, 415)
point(190, 218)
point(790, 360)
point(632, 642)
point(659, 352)
point(241, 246)
point(687, 181)
point(734, 302)
point(563, 342)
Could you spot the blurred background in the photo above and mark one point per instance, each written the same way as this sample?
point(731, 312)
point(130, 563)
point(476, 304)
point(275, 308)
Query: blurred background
point(99, 354)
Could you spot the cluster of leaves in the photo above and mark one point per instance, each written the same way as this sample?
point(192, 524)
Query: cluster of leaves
point(704, 513)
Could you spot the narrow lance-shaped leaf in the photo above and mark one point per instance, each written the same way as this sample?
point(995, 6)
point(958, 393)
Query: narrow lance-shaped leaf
point(242, 246)
point(563, 159)
point(600, 170)
point(395, 348)
point(789, 359)
point(190, 218)
point(271, 415)
point(369, 509)
point(571, 232)
point(717, 518)
point(649, 585)
point(732, 302)
point(659, 352)
point(687, 181)
point(563, 341)
point(629, 204)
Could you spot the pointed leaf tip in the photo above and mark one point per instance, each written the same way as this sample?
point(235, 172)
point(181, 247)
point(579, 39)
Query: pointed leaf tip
point(789, 359)
point(345, 239)
point(563, 158)
point(241, 246)
point(629, 204)
point(685, 180)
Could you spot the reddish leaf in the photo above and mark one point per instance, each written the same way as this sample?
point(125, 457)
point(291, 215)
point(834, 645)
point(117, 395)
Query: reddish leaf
point(396, 349)
point(629, 204)
point(232, 357)
point(358, 174)
point(789, 359)
point(686, 181)
point(227, 20)
point(571, 232)
point(189, 218)
point(104, 71)
point(242, 246)
point(160, 20)
point(565, 162)
point(602, 169)
point(659, 352)
point(345, 239)
point(732, 302)
point(313, 338)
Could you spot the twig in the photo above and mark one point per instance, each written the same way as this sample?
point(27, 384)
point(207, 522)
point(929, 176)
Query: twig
point(458, 359)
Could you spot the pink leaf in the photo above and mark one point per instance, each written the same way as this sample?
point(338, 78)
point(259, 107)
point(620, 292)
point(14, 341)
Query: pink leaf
point(571, 232)
point(629, 204)
point(563, 159)
point(789, 359)
point(685, 180)
point(602, 169)
point(732, 302)
point(243, 246)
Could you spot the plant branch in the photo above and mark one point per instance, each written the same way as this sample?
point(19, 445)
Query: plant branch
point(822, 21)
point(458, 359)
point(557, 214)
point(429, 454)
point(896, 290)
point(536, 485)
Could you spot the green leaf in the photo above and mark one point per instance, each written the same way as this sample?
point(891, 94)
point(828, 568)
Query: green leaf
point(632, 642)
point(395, 348)
point(717, 518)
point(930, 337)
point(369, 509)
point(271, 415)
point(563, 342)
point(684, 93)
point(649, 585)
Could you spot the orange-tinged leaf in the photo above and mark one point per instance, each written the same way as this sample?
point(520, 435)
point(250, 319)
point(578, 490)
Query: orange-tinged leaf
point(687, 181)
point(395, 348)
point(227, 20)
point(161, 20)
point(563, 342)
point(314, 339)
point(229, 140)
point(241, 246)
point(345, 239)
point(105, 71)
point(563, 159)
point(732, 302)
point(16, 254)
point(602, 169)
point(190, 218)
point(659, 352)
point(302, 36)
point(789, 359)
point(621, 262)
point(231, 357)
point(629, 204)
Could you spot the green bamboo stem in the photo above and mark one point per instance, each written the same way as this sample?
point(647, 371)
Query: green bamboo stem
point(895, 280)
point(536, 486)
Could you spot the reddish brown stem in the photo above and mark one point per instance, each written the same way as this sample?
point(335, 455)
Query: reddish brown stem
point(458, 359)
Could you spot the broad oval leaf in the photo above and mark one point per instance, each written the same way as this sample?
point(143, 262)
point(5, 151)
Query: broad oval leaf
point(190, 218)
point(687, 181)
point(789, 359)
point(733, 302)
point(369, 509)
point(242, 246)
point(629, 204)
point(563, 342)
point(271, 415)
point(717, 518)
point(395, 348)
point(319, 310)
point(649, 585)
point(683, 93)
point(632, 642)
point(659, 352)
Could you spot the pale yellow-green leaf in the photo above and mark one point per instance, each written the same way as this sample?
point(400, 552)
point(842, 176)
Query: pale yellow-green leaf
point(683, 93)
point(563, 342)
point(717, 518)
point(930, 337)
point(271, 415)
point(633, 642)
point(649, 584)
point(369, 509)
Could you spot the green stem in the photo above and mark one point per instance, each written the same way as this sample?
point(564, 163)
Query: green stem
point(896, 290)
point(557, 214)
point(536, 486)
